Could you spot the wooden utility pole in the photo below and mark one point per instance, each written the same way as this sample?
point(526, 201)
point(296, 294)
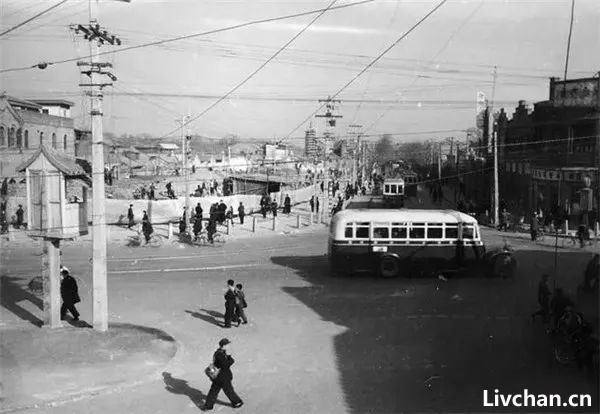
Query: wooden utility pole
point(330, 124)
point(96, 71)
point(495, 147)
point(185, 171)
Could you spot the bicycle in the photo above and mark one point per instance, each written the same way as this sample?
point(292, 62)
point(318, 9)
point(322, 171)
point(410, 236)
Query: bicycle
point(202, 238)
point(568, 337)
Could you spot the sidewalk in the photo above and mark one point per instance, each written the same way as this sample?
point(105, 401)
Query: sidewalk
point(254, 226)
point(42, 367)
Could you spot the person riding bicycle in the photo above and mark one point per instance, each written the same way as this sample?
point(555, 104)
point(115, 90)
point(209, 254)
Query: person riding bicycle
point(559, 304)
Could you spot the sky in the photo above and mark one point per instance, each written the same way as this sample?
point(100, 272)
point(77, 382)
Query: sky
point(427, 82)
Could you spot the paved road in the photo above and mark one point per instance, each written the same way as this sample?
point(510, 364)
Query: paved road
point(322, 345)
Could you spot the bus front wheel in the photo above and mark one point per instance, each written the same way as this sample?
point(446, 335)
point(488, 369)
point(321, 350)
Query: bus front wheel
point(389, 266)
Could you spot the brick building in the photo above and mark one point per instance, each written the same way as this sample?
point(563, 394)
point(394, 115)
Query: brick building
point(546, 152)
point(26, 124)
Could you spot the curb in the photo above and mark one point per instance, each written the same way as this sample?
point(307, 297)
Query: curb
point(101, 390)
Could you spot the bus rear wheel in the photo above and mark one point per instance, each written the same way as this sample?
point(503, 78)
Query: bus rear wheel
point(389, 267)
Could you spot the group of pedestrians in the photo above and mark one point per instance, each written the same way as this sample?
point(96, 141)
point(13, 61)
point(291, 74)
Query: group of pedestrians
point(235, 303)
point(145, 193)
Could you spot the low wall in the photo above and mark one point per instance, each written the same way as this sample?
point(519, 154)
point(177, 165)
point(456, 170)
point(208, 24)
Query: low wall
point(163, 211)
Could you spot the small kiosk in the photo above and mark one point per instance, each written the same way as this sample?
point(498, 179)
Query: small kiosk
point(53, 216)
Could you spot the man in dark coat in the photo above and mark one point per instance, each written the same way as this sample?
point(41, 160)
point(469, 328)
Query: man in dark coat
point(317, 205)
point(199, 212)
point(240, 305)
point(151, 192)
point(223, 361)
point(222, 212)
point(147, 227)
point(20, 213)
point(287, 204)
point(182, 222)
point(130, 216)
point(69, 294)
point(241, 213)
point(312, 204)
point(230, 297)
point(534, 226)
point(544, 295)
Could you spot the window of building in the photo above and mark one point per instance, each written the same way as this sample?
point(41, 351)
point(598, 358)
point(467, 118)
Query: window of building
point(54, 143)
point(41, 138)
point(2, 137)
point(19, 138)
point(26, 139)
point(11, 137)
point(65, 142)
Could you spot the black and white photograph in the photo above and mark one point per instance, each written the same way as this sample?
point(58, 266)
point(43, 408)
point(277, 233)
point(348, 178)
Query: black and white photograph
point(299, 206)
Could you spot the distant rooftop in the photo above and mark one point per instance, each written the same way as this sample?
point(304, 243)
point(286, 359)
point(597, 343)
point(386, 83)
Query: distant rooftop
point(13, 101)
point(53, 102)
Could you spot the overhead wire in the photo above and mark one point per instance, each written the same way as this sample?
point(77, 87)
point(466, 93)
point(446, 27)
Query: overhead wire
point(368, 66)
point(194, 35)
point(251, 75)
point(15, 27)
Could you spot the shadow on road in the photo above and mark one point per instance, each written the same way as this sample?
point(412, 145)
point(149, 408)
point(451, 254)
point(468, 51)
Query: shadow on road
point(415, 345)
point(179, 386)
point(216, 318)
point(12, 293)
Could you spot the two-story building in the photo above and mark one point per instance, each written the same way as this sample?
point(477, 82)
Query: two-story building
point(26, 124)
point(548, 151)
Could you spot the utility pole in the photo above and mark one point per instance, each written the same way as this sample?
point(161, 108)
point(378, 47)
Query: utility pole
point(356, 150)
point(95, 70)
point(185, 170)
point(330, 124)
point(495, 147)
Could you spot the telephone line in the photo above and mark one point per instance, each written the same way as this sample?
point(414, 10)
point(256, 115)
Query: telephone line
point(190, 36)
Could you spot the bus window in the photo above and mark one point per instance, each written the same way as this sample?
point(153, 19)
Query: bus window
point(417, 232)
point(348, 231)
point(468, 232)
point(362, 230)
point(393, 188)
point(436, 232)
point(386, 188)
point(381, 233)
point(399, 232)
point(451, 231)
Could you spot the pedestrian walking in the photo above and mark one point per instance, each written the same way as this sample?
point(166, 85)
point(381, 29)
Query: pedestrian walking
point(230, 297)
point(240, 305)
point(197, 227)
point(287, 204)
point(20, 213)
point(222, 212)
point(222, 361)
point(151, 192)
point(241, 213)
point(317, 205)
point(274, 208)
point(199, 212)
point(229, 215)
point(312, 204)
point(130, 217)
point(147, 229)
point(211, 228)
point(182, 222)
point(70, 295)
point(534, 226)
point(543, 299)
